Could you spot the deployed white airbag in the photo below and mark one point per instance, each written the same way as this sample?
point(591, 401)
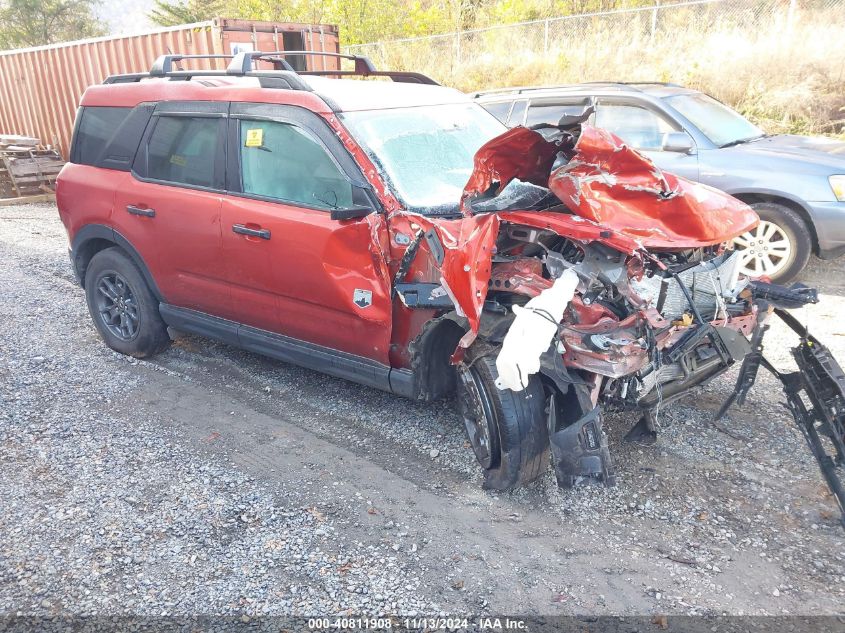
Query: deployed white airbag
point(532, 331)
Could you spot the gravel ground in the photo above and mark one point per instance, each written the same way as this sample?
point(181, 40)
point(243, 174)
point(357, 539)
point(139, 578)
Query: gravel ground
point(209, 480)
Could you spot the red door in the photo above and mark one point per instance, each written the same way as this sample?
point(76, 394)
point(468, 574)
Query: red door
point(307, 276)
point(291, 268)
point(184, 233)
point(171, 205)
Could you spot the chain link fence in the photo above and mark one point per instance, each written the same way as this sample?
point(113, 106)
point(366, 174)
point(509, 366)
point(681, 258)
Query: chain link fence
point(782, 60)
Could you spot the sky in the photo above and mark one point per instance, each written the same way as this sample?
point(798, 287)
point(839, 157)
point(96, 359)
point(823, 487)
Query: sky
point(125, 16)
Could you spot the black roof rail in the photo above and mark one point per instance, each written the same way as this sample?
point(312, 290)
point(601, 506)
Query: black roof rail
point(243, 61)
point(363, 66)
point(283, 77)
point(243, 65)
point(163, 65)
point(401, 76)
point(280, 79)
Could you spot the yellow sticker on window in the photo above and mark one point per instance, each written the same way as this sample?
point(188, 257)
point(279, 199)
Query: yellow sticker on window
point(254, 138)
point(175, 159)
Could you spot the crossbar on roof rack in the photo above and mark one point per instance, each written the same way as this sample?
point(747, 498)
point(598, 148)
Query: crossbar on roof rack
point(243, 61)
point(164, 63)
point(243, 65)
point(363, 67)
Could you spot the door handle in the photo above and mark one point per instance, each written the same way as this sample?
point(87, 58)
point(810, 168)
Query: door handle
point(147, 213)
point(264, 234)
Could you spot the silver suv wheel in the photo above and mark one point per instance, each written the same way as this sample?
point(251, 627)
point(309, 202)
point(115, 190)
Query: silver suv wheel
point(779, 246)
point(766, 250)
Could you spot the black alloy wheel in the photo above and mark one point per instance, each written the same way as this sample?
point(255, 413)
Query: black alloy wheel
point(117, 306)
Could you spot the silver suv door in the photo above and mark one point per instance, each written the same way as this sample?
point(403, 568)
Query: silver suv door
point(645, 130)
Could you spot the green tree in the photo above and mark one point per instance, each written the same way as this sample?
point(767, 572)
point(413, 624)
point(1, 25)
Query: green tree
point(35, 22)
point(174, 13)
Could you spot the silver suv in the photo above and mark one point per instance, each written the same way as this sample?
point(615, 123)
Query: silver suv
point(795, 183)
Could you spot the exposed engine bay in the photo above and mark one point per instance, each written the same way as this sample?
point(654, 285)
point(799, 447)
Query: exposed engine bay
point(613, 283)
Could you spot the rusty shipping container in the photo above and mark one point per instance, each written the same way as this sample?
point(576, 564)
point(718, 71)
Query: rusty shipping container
point(40, 87)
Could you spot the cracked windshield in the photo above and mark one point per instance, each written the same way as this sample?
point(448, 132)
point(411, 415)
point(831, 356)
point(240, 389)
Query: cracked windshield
point(425, 152)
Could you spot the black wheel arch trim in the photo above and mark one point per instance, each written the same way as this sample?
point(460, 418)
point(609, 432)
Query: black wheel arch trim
point(832, 253)
point(102, 232)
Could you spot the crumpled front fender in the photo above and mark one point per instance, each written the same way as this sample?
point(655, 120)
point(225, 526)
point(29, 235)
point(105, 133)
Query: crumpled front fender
point(467, 246)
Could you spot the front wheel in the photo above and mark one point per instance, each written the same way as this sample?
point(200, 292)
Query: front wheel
point(779, 247)
point(506, 429)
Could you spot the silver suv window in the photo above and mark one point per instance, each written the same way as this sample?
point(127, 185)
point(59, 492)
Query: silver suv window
point(551, 113)
point(639, 127)
point(717, 121)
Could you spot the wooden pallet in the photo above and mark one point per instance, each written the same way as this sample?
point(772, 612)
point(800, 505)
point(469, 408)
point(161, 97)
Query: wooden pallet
point(26, 170)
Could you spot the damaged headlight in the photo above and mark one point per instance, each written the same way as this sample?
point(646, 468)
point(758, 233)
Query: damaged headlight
point(837, 183)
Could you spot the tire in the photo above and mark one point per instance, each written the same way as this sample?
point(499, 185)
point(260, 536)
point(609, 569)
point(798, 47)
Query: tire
point(782, 227)
point(517, 446)
point(123, 308)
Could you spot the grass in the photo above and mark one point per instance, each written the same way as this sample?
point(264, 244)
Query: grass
point(786, 75)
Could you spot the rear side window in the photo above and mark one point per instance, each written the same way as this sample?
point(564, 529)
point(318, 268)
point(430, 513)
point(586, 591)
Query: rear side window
point(499, 110)
point(97, 126)
point(284, 162)
point(517, 113)
point(183, 150)
point(638, 127)
point(552, 113)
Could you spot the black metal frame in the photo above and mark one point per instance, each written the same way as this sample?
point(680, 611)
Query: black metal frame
point(814, 394)
point(243, 65)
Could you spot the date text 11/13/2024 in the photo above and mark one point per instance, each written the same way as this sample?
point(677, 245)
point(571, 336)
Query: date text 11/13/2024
point(418, 623)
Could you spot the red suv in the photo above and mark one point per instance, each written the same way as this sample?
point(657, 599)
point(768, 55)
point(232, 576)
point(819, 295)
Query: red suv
point(395, 234)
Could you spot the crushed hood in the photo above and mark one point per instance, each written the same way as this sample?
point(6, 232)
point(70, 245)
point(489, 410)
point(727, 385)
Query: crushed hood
point(605, 181)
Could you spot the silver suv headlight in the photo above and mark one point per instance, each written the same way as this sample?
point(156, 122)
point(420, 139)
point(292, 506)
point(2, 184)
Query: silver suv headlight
point(837, 183)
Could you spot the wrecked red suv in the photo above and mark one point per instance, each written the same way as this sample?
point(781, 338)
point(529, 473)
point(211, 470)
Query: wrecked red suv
point(372, 230)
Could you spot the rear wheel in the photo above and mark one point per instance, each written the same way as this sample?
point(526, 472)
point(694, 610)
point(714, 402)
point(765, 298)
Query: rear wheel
point(779, 247)
point(123, 308)
point(506, 429)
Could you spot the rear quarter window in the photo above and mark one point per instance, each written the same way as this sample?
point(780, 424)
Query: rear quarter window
point(97, 126)
point(499, 109)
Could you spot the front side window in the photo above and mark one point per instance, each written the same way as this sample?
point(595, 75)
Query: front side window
point(717, 121)
point(639, 127)
point(183, 150)
point(284, 162)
